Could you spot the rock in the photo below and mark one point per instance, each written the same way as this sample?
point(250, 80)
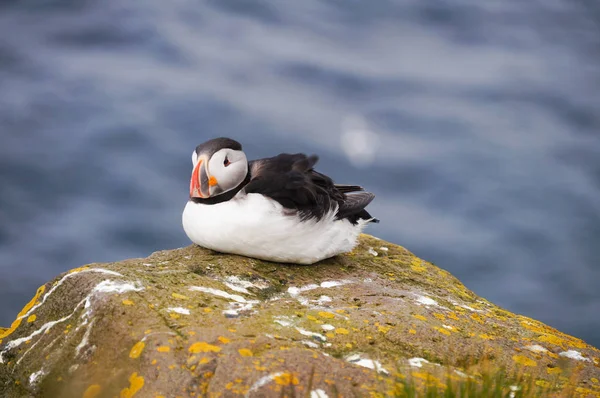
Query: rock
point(192, 322)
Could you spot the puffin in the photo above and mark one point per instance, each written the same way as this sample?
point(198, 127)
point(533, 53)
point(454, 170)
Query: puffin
point(278, 209)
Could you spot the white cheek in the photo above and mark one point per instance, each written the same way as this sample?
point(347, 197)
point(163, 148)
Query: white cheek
point(194, 158)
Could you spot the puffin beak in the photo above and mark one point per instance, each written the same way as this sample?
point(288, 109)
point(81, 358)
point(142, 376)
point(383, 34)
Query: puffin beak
point(200, 182)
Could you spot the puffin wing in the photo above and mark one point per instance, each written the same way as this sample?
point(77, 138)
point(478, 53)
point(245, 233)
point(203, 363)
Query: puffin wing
point(291, 180)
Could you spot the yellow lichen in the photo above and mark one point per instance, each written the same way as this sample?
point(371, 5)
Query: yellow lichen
point(549, 338)
point(245, 352)
point(163, 348)
point(127, 302)
point(341, 331)
point(31, 318)
point(92, 391)
point(203, 346)
point(443, 331)
point(412, 331)
point(452, 315)
point(223, 340)
point(135, 384)
point(487, 337)
point(523, 360)
point(325, 314)
point(439, 316)
point(417, 265)
point(179, 296)
point(421, 317)
point(285, 379)
point(137, 349)
point(553, 371)
point(542, 383)
point(477, 318)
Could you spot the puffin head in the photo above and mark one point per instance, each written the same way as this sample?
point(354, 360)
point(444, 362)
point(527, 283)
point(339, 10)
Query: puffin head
point(219, 166)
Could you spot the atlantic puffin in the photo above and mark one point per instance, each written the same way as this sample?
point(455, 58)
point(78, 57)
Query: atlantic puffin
point(277, 209)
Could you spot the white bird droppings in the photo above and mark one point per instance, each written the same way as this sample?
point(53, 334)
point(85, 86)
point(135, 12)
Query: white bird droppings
point(310, 344)
point(373, 252)
point(283, 321)
point(572, 354)
point(34, 377)
point(179, 310)
point(263, 381)
point(327, 327)
point(417, 362)
point(317, 336)
point(536, 348)
point(318, 394)
point(109, 286)
point(366, 363)
point(219, 293)
point(426, 301)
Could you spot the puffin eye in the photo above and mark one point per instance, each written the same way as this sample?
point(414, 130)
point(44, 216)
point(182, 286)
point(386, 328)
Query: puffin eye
point(226, 162)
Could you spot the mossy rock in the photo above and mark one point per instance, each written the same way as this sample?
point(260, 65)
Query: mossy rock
point(192, 322)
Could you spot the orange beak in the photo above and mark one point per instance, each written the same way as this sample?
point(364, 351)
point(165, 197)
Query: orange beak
point(200, 183)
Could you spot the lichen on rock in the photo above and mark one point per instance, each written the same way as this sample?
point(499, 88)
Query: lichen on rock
point(192, 322)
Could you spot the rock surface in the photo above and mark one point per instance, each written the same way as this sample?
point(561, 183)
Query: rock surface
point(192, 322)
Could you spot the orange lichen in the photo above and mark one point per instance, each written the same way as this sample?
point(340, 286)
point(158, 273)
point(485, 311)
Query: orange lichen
point(135, 384)
point(137, 349)
point(92, 391)
point(245, 352)
point(31, 318)
point(203, 346)
point(24, 311)
point(285, 379)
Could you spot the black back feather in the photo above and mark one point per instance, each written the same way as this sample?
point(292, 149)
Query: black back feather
point(290, 179)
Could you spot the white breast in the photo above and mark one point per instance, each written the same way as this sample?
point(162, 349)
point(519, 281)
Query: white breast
point(256, 226)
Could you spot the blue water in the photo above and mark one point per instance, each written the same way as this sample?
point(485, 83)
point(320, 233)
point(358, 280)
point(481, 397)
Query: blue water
point(476, 124)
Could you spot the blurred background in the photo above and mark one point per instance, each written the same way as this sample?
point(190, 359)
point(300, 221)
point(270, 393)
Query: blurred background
point(476, 124)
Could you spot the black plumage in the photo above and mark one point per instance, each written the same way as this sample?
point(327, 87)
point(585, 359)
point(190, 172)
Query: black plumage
point(290, 179)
